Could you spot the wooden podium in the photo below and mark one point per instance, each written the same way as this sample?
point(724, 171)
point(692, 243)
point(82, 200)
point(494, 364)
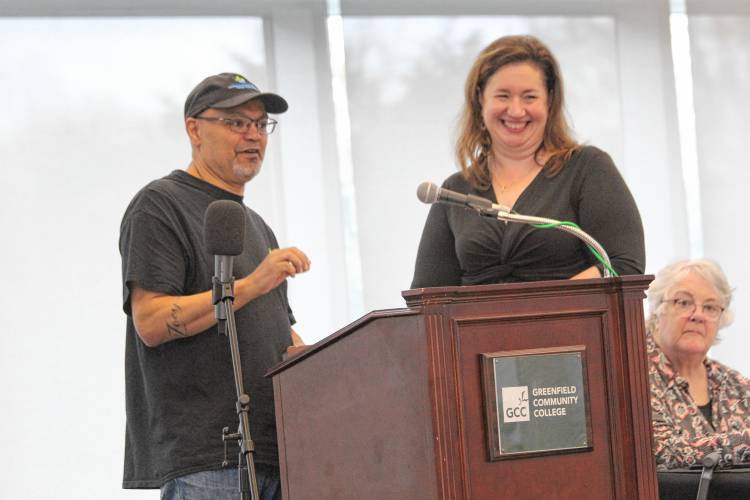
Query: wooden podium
point(396, 406)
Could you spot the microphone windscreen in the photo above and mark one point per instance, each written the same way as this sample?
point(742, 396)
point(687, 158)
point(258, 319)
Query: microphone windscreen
point(427, 192)
point(224, 228)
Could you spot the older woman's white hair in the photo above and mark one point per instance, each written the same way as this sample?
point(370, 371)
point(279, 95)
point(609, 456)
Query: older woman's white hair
point(669, 276)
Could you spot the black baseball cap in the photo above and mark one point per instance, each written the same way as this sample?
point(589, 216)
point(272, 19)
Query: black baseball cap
point(228, 90)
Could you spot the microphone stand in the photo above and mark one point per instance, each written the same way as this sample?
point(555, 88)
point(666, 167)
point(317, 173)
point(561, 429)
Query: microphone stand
point(499, 213)
point(223, 295)
point(709, 463)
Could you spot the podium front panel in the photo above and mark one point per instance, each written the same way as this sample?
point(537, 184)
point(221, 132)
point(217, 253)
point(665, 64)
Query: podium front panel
point(603, 316)
point(591, 467)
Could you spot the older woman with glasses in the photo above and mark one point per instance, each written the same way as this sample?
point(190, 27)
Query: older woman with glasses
point(698, 405)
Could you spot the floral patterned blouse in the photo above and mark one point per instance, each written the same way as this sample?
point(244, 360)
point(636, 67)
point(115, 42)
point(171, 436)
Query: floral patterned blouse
point(682, 435)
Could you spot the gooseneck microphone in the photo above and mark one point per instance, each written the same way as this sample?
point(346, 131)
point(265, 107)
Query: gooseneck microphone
point(224, 237)
point(427, 192)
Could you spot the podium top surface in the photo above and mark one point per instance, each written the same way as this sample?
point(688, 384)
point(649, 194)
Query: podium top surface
point(435, 295)
point(338, 335)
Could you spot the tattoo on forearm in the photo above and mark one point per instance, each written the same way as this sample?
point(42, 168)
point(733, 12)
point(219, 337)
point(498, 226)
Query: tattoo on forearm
point(175, 326)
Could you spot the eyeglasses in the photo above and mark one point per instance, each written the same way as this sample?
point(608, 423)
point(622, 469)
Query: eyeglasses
point(265, 126)
point(686, 306)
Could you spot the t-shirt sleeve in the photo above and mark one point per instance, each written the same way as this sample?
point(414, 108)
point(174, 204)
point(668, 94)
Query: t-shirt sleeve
point(607, 211)
point(152, 256)
point(437, 263)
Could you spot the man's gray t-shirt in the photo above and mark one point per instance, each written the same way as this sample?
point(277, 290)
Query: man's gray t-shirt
point(180, 395)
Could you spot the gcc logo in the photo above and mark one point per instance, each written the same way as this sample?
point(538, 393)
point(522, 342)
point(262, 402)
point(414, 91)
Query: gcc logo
point(516, 404)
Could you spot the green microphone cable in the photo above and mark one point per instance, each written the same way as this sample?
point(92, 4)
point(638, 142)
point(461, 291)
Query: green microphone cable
point(596, 254)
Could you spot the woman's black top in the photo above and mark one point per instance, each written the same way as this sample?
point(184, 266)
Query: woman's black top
point(460, 247)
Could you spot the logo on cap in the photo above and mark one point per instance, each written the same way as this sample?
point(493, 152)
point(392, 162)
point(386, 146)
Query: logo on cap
point(242, 84)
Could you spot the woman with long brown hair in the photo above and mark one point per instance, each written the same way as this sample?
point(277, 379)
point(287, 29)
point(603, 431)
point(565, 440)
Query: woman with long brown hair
point(515, 149)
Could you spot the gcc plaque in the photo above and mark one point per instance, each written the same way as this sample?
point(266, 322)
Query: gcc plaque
point(536, 402)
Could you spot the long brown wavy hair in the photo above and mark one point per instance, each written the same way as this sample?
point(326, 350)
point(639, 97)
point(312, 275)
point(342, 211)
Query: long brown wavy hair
point(474, 142)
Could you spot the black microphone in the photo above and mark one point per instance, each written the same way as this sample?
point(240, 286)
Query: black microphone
point(429, 193)
point(224, 237)
point(709, 462)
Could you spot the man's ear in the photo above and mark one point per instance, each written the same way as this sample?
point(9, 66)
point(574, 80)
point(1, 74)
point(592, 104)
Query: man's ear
point(193, 131)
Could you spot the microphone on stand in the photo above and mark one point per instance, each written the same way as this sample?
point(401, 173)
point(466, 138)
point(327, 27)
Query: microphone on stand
point(224, 237)
point(429, 193)
point(709, 462)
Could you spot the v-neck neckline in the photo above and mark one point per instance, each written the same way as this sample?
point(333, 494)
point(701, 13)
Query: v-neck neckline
point(521, 195)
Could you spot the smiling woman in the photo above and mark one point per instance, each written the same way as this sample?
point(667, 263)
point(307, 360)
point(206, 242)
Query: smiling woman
point(698, 404)
point(515, 148)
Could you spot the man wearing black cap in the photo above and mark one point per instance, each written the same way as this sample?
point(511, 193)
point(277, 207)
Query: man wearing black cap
point(180, 389)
